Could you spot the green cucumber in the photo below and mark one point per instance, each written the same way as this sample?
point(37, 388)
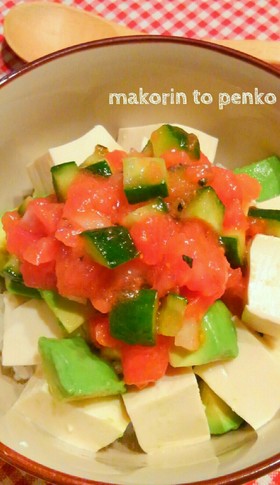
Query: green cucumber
point(74, 372)
point(14, 281)
point(110, 246)
point(171, 314)
point(267, 172)
point(206, 206)
point(235, 247)
point(11, 269)
point(157, 206)
point(218, 340)
point(23, 206)
point(101, 168)
point(70, 314)
point(144, 178)
point(148, 149)
point(17, 287)
point(62, 177)
point(271, 218)
point(169, 137)
point(99, 154)
point(133, 319)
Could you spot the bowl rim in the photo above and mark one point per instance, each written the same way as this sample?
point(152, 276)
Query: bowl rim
point(39, 470)
point(134, 39)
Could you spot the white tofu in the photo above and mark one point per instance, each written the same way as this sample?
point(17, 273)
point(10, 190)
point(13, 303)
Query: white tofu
point(23, 325)
point(90, 424)
point(273, 203)
point(262, 313)
point(249, 384)
point(169, 413)
point(137, 137)
point(76, 150)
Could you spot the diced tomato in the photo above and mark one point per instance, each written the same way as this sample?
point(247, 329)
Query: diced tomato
point(151, 235)
point(174, 158)
point(42, 215)
point(99, 332)
point(41, 276)
point(69, 234)
point(230, 192)
point(113, 283)
point(207, 274)
point(76, 275)
point(234, 217)
point(143, 365)
point(180, 188)
point(115, 160)
point(250, 189)
point(95, 201)
point(19, 239)
point(236, 291)
point(255, 226)
point(41, 251)
point(225, 184)
point(197, 305)
point(9, 219)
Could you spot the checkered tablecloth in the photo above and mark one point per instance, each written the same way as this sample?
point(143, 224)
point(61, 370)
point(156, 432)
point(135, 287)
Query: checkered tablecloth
point(218, 19)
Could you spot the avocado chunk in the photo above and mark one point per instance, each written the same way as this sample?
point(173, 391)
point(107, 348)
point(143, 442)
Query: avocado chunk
point(218, 339)
point(169, 137)
point(74, 372)
point(71, 314)
point(221, 418)
point(267, 172)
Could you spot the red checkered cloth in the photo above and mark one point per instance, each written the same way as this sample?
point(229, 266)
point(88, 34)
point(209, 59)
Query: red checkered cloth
point(220, 19)
point(242, 19)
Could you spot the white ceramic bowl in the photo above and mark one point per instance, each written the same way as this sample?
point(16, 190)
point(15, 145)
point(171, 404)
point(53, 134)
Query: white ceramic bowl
point(59, 98)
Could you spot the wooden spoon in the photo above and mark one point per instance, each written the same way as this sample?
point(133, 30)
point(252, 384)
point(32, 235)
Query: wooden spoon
point(35, 29)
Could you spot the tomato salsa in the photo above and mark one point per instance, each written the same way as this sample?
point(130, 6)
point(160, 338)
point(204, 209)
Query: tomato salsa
point(139, 238)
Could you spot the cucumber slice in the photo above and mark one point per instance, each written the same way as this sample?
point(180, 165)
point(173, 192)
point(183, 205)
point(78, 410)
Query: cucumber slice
point(144, 178)
point(23, 206)
point(17, 287)
point(71, 314)
point(171, 314)
point(133, 319)
point(148, 149)
point(267, 172)
point(157, 206)
point(110, 246)
point(218, 340)
point(101, 168)
point(169, 137)
point(99, 154)
point(74, 372)
point(11, 269)
point(235, 248)
point(271, 218)
point(62, 177)
point(206, 206)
